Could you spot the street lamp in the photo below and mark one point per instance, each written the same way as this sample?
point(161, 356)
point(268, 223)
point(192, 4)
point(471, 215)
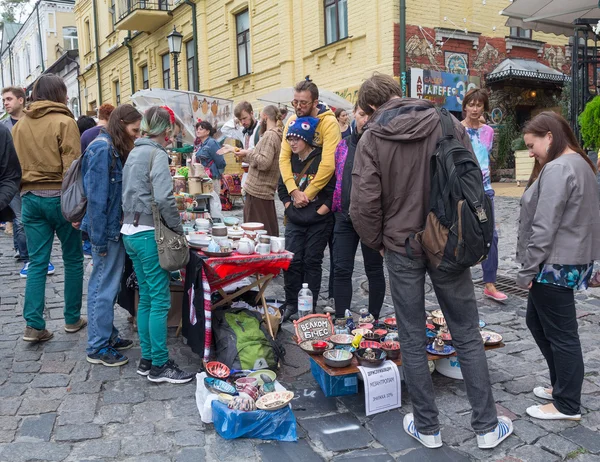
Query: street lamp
point(175, 39)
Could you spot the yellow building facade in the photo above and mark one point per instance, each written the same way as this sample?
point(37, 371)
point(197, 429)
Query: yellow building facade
point(123, 43)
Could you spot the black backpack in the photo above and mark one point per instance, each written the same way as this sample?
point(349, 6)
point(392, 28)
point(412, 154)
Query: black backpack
point(460, 226)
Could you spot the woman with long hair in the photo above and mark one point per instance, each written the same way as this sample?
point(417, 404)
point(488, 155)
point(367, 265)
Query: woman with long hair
point(342, 117)
point(558, 241)
point(206, 153)
point(102, 170)
point(475, 103)
point(47, 142)
point(146, 179)
point(263, 174)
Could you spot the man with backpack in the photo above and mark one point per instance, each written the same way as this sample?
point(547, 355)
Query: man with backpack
point(392, 183)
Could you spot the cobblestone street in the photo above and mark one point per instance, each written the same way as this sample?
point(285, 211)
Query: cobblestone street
point(56, 406)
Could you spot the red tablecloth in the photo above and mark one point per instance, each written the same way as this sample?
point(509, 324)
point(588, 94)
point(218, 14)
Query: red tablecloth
point(218, 272)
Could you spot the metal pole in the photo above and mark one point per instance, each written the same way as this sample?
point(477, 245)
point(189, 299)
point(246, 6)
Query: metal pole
point(97, 47)
point(37, 9)
point(176, 71)
point(403, 46)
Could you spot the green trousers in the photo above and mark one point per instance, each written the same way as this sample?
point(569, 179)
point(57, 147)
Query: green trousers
point(155, 297)
point(41, 217)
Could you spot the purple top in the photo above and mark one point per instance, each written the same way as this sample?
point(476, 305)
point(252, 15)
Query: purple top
point(341, 153)
point(88, 136)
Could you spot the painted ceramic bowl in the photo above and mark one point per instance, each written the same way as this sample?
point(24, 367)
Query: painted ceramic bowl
point(217, 370)
point(225, 398)
point(381, 332)
point(390, 322)
point(243, 381)
point(252, 226)
point(370, 344)
point(309, 348)
point(372, 336)
point(360, 331)
point(337, 358)
point(437, 314)
point(366, 325)
point(392, 349)
point(391, 337)
point(257, 375)
point(490, 338)
point(250, 392)
point(439, 322)
point(341, 339)
point(275, 400)
point(242, 404)
point(231, 221)
point(219, 386)
point(380, 357)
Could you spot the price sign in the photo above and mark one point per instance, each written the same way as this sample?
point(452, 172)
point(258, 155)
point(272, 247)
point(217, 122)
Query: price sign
point(314, 327)
point(382, 387)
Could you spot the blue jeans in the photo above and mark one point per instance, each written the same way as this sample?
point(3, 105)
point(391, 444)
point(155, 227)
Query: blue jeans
point(103, 289)
point(456, 296)
point(490, 264)
point(19, 239)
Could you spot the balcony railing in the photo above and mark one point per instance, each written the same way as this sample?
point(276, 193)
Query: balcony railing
point(143, 15)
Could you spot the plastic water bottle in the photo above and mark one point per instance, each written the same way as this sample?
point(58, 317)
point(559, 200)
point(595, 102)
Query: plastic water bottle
point(305, 301)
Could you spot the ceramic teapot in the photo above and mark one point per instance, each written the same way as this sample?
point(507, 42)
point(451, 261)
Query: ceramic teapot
point(246, 246)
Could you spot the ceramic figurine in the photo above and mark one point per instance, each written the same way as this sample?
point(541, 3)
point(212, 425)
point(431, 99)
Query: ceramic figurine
point(365, 317)
point(369, 354)
point(268, 384)
point(341, 327)
point(438, 344)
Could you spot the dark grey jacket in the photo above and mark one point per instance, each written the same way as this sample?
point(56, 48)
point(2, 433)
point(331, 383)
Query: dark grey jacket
point(10, 174)
point(560, 218)
point(137, 181)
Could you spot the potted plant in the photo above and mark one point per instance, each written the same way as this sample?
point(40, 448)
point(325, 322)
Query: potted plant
point(589, 121)
point(523, 163)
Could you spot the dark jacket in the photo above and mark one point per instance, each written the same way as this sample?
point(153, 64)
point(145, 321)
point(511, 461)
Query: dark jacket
point(351, 142)
point(390, 179)
point(307, 215)
point(10, 174)
point(102, 172)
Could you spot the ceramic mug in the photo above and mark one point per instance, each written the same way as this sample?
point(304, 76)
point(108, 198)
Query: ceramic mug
point(246, 246)
point(277, 244)
point(264, 239)
point(263, 249)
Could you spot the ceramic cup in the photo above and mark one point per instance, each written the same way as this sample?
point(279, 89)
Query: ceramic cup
point(277, 244)
point(202, 224)
point(261, 232)
point(263, 249)
point(219, 230)
point(264, 239)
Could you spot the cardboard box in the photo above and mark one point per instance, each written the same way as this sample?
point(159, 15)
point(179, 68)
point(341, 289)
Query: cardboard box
point(174, 316)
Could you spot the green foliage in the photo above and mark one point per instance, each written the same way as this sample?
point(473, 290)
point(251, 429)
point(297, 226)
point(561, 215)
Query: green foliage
point(518, 144)
point(565, 100)
point(575, 453)
point(14, 10)
point(589, 121)
point(507, 133)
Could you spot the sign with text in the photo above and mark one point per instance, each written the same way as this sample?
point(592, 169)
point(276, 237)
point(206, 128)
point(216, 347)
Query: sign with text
point(444, 89)
point(314, 327)
point(382, 387)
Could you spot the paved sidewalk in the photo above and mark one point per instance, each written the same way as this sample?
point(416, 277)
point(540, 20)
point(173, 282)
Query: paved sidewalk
point(56, 406)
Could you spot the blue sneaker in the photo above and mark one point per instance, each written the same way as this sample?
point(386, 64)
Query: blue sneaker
point(107, 356)
point(23, 272)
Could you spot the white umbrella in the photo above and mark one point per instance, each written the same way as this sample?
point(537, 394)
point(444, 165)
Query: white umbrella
point(284, 97)
point(550, 16)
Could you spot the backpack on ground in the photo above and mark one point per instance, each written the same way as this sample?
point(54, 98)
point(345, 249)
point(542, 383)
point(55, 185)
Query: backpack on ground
point(242, 340)
point(460, 226)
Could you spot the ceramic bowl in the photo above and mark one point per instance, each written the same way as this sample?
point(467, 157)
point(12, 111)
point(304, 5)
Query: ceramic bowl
point(392, 349)
point(198, 240)
point(366, 325)
point(243, 381)
point(219, 386)
point(360, 331)
point(225, 398)
point(490, 338)
point(439, 322)
point(372, 336)
point(437, 314)
point(307, 346)
point(202, 224)
point(275, 400)
point(381, 332)
point(250, 392)
point(257, 375)
point(341, 339)
point(390, 322)
point(235, 233)
point(217, 370)
point(252, 226)
point(219, 231)
point(380, 357)
point(370, 344)
point(337, 358)
point(231, 221)
point(242, 404)
point(391, 337)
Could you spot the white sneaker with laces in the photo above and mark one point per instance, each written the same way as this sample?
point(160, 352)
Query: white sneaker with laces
point(541, 392)
point(429, 441)
point(492, 439)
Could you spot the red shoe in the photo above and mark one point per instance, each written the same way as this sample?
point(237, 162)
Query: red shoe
point(496, 295)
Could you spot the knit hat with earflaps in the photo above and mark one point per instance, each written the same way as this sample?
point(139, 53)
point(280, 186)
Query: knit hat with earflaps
point(303, 128)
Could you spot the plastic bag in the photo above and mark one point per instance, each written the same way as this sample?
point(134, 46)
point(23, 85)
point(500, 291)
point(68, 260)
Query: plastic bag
point(204, 399)
point(279, 425)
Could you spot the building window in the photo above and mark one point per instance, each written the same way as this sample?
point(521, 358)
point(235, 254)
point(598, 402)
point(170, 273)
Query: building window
point(242, 27)
point(166, 71)
point(27, 60)
point(336, 20)
point(190, 55)
point(70, 37)
point(75, 107)
point(113, 14)
point(518, 32)
point(88, 37)
point(145, 80)
point(117, 89)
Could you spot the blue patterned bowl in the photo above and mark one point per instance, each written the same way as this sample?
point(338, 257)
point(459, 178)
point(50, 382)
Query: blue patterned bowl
point(219, 386)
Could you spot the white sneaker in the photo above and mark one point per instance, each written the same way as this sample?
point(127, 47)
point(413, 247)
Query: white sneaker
point(429, 441)
point(537, 413)
point(541, 392)
point(497, 435)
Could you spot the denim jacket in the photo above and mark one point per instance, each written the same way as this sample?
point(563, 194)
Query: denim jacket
point(207, 155)
point(102, 173)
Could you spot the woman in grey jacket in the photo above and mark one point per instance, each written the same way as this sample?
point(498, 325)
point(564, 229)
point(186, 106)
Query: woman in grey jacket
point(147, 170)
point(559, 234)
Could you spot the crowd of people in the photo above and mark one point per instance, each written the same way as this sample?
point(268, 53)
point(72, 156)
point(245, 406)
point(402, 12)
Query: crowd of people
point(341, 184)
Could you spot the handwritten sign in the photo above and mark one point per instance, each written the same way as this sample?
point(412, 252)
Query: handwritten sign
point(382, 387)
point(314, 327)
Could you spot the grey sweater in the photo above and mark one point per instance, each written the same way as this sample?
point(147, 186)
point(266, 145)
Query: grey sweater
point(560, 218)
point(137, 182)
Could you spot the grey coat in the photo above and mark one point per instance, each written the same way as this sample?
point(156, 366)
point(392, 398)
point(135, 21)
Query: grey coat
point(137, 180)
point(560, 218)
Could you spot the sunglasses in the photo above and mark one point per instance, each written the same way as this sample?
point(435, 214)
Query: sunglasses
point(297, 103)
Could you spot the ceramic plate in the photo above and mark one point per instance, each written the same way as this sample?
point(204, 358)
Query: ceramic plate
point(490, 338)
point(448, 350)
point(267, 372)
point(274, 400)
point(217, 254)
